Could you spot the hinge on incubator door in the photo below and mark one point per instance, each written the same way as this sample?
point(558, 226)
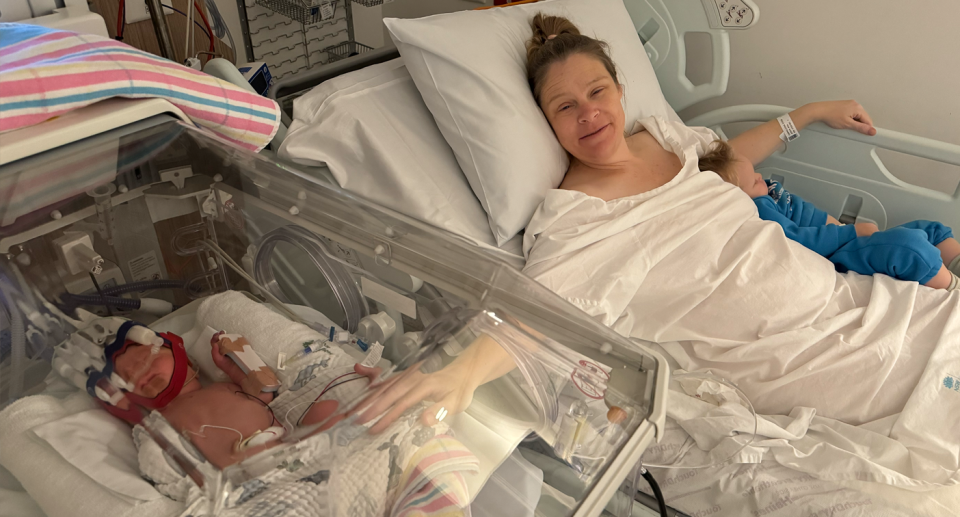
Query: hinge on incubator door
point(102, 199)
point(382, 253)
point(176, 176)
point(393, 232)
point(851, 209)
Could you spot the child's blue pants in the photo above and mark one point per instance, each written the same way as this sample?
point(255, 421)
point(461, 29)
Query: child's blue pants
point(906, 252)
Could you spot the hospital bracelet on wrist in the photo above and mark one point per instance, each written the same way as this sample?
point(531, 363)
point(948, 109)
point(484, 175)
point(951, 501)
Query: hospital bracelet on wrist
point(789, 129)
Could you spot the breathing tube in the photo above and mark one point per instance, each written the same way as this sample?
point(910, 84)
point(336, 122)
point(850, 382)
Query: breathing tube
point(111, 297)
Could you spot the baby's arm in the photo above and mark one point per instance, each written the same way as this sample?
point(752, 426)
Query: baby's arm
point(811, 216)
point(229, 367)
point(824, 240)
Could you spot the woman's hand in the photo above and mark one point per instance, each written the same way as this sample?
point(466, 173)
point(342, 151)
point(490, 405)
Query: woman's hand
point(446, 388)
point(844, 115)
point(450, 389)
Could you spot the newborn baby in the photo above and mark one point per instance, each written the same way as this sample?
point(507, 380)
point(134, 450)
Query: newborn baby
point(404, 468)
point(222, 419)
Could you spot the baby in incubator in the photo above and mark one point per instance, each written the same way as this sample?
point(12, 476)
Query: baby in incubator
point(918, 251)
point(228, 421)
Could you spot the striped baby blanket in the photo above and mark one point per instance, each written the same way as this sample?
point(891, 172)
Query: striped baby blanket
point(433, 484)
point(45, 73)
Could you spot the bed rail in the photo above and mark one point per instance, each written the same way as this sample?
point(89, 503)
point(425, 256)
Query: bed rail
point(842, 173)
point(663, 30)
point(300, 83)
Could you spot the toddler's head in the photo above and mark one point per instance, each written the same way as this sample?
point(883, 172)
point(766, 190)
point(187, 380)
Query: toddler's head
point(736, 170)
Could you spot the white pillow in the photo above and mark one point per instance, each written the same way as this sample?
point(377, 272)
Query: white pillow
point(470, 68)
point(372, 129)
point(100, 445)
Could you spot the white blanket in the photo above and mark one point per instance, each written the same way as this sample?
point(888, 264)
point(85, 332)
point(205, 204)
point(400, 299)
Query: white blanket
point(691, 265)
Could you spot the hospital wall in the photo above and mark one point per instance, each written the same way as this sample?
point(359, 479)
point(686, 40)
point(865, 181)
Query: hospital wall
point(420, 8)
point(900, 60)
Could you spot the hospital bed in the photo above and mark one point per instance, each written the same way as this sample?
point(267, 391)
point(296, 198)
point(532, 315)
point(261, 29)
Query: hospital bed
point(397, 251)
point(845, 173)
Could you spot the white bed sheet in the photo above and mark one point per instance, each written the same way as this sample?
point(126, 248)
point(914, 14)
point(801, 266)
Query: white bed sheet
point(771, 489)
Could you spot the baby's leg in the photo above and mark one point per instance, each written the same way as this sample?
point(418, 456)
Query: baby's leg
point(942, 237)
point(942, 280)
point(902, 253)
point(950, 251)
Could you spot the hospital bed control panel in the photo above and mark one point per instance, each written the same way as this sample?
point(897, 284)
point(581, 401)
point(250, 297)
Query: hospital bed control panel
point(731, 14)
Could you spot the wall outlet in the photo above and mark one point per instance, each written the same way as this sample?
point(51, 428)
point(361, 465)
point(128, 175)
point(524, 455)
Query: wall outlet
point(136, 11)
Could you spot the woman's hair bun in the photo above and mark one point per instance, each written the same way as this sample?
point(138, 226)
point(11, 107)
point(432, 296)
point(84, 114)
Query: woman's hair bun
point(545, 26)
point(554, 39)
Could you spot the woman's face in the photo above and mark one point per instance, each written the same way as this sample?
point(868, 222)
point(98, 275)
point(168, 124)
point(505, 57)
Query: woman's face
point(582, 104)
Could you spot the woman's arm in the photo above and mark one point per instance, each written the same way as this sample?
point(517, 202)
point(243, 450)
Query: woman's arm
point(760, 142)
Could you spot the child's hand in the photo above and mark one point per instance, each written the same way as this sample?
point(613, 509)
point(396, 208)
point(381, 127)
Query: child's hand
point(845, 115)
point(866, 229)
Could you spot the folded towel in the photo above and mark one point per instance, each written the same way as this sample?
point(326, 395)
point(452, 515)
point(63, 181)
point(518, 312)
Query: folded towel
point(58, 487)
point(268, 332)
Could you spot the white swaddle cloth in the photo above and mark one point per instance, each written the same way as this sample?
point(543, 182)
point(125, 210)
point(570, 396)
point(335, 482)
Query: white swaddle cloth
point(268, 332)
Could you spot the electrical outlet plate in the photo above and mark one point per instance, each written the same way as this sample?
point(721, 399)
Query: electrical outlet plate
point(731, 14)
point(136, 11)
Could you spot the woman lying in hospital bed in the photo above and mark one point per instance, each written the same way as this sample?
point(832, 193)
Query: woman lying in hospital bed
point(647, 243)
point(640, 238)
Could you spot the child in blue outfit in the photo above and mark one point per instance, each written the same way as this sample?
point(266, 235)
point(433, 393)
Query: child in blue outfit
point(919, 251)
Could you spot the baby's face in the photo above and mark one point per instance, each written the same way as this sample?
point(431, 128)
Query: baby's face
point(149, 375)
point(749, 180)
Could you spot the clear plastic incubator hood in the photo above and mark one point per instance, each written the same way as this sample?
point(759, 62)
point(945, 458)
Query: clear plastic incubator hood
point(192, 329)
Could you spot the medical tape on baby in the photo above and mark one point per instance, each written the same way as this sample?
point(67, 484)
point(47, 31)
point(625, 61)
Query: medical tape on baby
point(789, 129)
point(259, 376)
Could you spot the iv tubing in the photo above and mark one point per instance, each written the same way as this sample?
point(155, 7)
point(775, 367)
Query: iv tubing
point(681, 453)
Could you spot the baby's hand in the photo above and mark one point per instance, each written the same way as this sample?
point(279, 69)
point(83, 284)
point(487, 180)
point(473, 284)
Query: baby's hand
point(866, 229)
point(223, 362)
point(370, 373)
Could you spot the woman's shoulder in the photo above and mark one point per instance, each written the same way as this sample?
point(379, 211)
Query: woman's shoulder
point(667, 131)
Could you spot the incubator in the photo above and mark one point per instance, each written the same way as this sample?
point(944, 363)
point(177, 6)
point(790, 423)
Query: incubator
point(280, 345)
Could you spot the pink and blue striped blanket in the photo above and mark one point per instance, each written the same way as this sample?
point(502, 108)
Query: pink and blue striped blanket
point(45, 73)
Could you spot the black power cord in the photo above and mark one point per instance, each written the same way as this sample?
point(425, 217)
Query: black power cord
point(656, 491)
